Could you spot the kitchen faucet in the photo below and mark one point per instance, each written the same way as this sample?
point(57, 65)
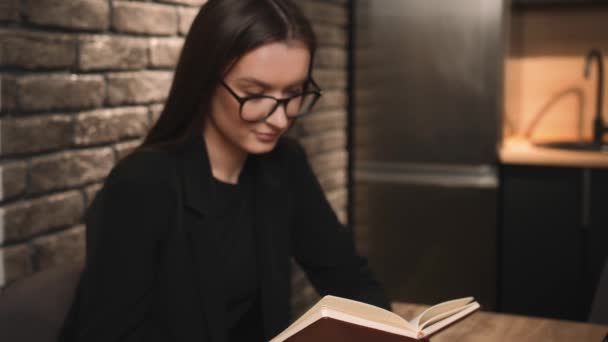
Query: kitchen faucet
point(599, 127)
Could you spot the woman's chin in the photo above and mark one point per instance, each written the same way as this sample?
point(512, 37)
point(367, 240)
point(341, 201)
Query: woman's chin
point(257, 147)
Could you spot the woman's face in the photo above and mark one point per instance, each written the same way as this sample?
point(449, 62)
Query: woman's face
point(278, 69)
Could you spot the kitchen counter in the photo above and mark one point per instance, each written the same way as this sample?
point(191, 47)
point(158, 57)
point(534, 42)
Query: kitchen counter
point(521, 152)
point(489, 327)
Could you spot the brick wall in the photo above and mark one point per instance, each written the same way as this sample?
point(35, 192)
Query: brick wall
point(324, 133)
point(81, 83)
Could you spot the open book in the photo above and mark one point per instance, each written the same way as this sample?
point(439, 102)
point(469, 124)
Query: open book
point(339, 319)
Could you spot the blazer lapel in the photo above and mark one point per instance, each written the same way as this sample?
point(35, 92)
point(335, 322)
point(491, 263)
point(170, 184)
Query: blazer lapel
point(198, 194)
point(270, 215)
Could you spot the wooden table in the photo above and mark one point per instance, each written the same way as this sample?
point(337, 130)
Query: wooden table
point(490, 327)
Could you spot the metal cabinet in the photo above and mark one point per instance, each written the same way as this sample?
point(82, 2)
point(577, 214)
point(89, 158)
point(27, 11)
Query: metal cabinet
point(552, 240)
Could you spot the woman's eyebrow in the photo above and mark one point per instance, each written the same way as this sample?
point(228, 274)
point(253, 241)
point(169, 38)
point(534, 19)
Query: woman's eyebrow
point(255, 81)
point(269, 86)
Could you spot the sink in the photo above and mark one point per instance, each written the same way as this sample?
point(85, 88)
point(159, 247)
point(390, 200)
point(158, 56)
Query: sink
point(575, 145)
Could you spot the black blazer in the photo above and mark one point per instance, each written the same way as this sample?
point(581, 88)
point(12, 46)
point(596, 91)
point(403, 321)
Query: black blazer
point(151, 266)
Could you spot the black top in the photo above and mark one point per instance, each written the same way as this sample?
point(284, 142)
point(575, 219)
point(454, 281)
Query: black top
point(234, 223)
point(152, 268)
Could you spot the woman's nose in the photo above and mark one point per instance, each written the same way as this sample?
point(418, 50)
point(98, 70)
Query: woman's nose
point(278, 119)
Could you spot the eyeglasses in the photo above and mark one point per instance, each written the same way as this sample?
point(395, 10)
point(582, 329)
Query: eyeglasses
point(256, 108)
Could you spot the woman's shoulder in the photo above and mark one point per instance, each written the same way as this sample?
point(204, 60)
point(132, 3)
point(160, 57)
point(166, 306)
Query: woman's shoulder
point(139, 187)
point(144, 167)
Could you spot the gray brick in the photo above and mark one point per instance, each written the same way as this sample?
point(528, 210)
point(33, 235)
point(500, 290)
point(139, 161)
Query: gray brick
point(13, 177)
point(17, 263)
point(74, 14)
point(186, 17)
point(324, 142)
point(35, 134)
point(298, 277)
point(338, 199)
point(69, 169)
point(155, 111)
point(113, 52)
point(47, 92)
point(138, 87)
point(304, 295)
point(331, 35)
point(324, 12)
point(342, 215)
point(91, 191)
point(147, 18)
point(27, 218)
point(31, 50)
point(9, 10)
point(66, 247)
point(319, 122)
point(330, 79)
point(331, 57)
point(332, 99)
point(8, 96)
point(107, 125)
point(164, 52)
point(333, 180)
point(328, 162)
point(124, 148)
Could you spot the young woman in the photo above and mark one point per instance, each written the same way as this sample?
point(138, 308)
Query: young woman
point(191, 237)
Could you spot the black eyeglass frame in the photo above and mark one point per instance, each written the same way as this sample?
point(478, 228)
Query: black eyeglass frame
point(241, 100)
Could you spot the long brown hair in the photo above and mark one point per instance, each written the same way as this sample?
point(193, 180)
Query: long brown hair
point(222, 32)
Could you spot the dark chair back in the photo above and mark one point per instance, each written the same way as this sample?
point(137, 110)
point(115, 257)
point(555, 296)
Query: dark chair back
point(34, 308)
point(599, 307)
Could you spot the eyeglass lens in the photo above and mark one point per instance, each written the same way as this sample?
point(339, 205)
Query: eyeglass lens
point(259, 108)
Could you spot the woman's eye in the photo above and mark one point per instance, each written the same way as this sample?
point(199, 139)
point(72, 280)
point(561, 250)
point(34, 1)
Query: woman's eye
point(294, 92)
point(254, 94)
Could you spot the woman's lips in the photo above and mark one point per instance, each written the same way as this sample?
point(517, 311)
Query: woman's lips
point(266, 137)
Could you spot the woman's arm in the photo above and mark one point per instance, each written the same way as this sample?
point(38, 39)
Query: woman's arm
point(125, 225)
point(322, 246)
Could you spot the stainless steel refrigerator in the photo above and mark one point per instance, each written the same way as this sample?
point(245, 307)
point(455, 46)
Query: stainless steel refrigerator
point(426, 114)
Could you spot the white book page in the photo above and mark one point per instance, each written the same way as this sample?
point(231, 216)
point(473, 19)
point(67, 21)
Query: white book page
point(353, 312)
point(366, 311)
point(449, 320)
point(441, 310)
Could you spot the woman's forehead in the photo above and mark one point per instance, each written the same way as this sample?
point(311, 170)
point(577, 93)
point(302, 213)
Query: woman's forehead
point(278, 63)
